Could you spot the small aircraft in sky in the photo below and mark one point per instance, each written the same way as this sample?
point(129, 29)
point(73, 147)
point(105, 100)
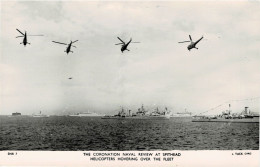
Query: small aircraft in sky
point(70, 78)
point(192, 44)
point(69, 46)
point(24, 35)
point(125, 45)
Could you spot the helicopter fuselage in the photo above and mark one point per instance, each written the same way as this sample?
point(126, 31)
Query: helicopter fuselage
point(124, 47)
point(68, 48)
point(24, 39)
point(191, 46)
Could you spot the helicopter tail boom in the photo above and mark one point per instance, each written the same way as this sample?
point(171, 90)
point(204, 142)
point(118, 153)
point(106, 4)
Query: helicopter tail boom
point(198, 40)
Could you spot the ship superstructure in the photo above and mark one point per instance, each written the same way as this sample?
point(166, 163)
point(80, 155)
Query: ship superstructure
point(16, 114)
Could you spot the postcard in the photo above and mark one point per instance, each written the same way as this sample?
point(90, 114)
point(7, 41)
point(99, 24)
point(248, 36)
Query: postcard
point(129, 83)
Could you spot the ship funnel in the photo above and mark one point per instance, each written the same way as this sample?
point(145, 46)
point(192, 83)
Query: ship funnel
point(246, 110)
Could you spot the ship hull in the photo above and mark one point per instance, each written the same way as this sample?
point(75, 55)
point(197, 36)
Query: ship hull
point(83, 115)
point(243, 120)
point(40, 116)
point(178, 116)
point(148, 117)
point(112, 117)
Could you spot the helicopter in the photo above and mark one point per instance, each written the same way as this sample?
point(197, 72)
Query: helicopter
point(124, 45)
point(192, 44)
point(24, 35)
point(69, 46)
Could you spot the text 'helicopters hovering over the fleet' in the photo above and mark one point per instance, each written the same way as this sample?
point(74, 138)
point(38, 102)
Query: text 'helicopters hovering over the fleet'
point(192, 44)
point(69, 46)
point(125, 45)
point(24, 35)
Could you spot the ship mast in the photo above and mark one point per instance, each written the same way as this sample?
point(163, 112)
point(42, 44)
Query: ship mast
point(229, 110)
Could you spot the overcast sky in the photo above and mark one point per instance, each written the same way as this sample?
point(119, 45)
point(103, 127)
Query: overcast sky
point(156, 72)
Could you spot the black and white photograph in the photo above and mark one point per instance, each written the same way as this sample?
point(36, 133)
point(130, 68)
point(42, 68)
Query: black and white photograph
point(129, 75)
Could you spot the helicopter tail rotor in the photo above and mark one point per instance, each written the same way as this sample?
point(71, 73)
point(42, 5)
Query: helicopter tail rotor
point(74, 41)
point(130, 40)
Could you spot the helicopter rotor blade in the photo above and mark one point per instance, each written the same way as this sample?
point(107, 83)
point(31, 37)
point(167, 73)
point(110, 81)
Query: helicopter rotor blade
point(59, 43)
point(190, 38)
point(121, 40)
point(183, 41)
point(19, 36)
point(119, 44)
point(75, 41)
point(19, 31)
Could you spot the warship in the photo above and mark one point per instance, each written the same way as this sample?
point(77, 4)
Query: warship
point(243, 117)
point(85, 114)
point(40, 115)
point(141, 113)
point(181, 114)
point(16, 114)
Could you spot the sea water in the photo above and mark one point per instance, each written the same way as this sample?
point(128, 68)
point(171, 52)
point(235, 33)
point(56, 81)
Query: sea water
point(62, 133)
